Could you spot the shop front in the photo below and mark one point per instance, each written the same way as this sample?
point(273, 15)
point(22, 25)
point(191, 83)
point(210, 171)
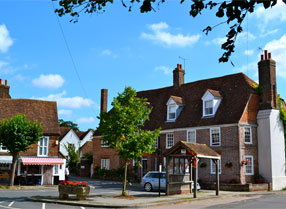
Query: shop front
point(5, 167)
point(41, 170)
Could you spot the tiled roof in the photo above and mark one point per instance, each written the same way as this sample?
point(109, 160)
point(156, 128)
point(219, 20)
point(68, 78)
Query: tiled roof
point(234, 89)
point(214, 93)
point(201, 150)
point(178, 99)
point(81, 134)
point(44, 112)
point(64, 131)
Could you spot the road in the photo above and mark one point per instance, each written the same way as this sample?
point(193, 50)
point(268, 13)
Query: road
point(276, 201)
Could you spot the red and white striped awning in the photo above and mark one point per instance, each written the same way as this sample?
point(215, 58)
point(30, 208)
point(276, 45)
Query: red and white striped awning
point(42, 161)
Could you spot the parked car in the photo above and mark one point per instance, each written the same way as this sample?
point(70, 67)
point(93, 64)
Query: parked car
point(150, 181)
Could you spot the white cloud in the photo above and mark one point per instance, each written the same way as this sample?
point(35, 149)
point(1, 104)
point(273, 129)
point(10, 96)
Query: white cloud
point(108, 52)
point(219, 41)
point(85, 120)
point(250, 67)
point(268, 33)
point(165, 38)
point(65, 112)
point(69, 102)
point(6, 68)
point(248, 52)
point(278, 51)
point(5, 39)
point(164, 69)
point(52, 81)
point(245, 36)
point(267, 15)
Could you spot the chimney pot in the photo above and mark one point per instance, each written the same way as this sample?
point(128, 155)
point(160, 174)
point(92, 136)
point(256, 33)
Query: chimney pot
point(1, 82)
point(269, 55)
point(265, 54)
point(178, 66)
point(6, 82)
point(262, 57)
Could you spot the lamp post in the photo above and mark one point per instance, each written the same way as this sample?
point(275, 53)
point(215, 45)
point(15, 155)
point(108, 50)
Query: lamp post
point(160, 166)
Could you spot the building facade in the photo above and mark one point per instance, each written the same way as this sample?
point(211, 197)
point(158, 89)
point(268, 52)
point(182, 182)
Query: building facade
point(230, 114)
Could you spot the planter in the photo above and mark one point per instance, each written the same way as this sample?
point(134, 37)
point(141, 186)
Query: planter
point(79, 191)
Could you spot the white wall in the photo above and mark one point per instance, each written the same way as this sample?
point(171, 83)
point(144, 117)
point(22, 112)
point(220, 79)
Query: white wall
point(271, 148)
point(62, 171)
point(70, 138)
point(87, 138)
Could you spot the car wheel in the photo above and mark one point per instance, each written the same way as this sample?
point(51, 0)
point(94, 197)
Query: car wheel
point(148, 187)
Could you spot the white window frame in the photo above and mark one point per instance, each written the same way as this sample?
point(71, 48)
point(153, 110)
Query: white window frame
point(167, 144)
point(213, 167)
point(104, 164)
point(104, 143)
point(250, 134)
point(3, 150)
point(205, 101)
point(156, 142)
point(250, 163)
point(48, 141)
point(211, 139)
point(168, 111)
point(192, 130)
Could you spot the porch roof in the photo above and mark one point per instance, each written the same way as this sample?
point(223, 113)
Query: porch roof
point(200, 150)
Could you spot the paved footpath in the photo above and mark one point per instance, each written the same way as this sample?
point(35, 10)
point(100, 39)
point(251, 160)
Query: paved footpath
point(107, 194)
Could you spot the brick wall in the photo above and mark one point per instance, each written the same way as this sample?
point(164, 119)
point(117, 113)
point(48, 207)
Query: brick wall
point(229, 154)
point(87, 148)
point(53, 148)
point(104, 153)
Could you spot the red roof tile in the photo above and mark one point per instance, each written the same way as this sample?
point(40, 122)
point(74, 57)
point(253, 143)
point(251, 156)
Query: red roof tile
point(44, 112)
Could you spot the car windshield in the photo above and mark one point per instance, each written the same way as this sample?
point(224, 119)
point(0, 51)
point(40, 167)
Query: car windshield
point(156, 175)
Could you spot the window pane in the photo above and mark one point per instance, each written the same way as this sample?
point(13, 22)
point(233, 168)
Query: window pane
point(247, 135)
point(215, 136)
point(40, 151)
point(41, 142)
point(249, 166)
point(191, 136)
point(45, 151)
point(208, 107)
point(170, 140)
point(172, 109)
point(45, 141)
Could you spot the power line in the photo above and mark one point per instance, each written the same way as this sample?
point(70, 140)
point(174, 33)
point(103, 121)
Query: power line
point(69, 51)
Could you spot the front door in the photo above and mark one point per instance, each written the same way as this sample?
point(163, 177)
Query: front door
point(48, 175)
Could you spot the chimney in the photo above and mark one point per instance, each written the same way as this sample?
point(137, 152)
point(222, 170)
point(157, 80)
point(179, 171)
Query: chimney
point(267, 81)
point(4, 90)
point(178, 76)
point(103, 102)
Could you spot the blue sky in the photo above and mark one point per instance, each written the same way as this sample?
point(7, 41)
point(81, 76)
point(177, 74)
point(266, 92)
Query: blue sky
point(119, 48)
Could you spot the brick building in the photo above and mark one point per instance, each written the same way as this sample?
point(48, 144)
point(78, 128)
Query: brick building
point(42, 160)
point(227, 113)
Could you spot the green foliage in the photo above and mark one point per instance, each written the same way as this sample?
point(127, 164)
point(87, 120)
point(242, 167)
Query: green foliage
point(122, 128)
point(114, 173)
point(88, 156)
point(282, 115)
point(73, 157)
point(258, 88)
point(231, 13)
point(17, 134)
point(69, 124)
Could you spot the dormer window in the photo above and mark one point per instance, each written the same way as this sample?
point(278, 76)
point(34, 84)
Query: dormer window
point(211, 101)
point(209, 107)
point(172, 112)
point(174, 108)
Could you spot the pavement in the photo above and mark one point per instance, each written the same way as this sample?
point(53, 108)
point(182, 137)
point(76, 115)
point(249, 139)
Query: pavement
point(137, 198)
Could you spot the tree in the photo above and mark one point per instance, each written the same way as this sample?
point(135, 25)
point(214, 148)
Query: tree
point(122, 128)
point(17, 134)
point(232, 12)
point(69, 124)
point(73, 156)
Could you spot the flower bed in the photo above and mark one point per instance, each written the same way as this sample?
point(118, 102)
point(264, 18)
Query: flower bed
point(80, 189)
